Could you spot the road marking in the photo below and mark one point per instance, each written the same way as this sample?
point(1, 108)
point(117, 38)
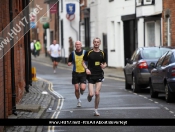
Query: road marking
point(59, 105)
point(150, 99)
point(154, 102)
point(111, 108)
point(166, 108)
point(171, 112)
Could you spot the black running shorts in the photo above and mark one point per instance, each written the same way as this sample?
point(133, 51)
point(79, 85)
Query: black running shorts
point(57, 59)
point(95, 78)
point(78, 77)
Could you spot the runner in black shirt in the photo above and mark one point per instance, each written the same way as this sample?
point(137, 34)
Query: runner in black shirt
point(96, 60)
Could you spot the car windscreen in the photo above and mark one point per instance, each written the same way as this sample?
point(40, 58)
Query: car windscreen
point(153, 53)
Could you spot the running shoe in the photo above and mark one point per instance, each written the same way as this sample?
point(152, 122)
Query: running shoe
point(79, 104)
point(81, 91)
point(96, 113)
point(89, 98)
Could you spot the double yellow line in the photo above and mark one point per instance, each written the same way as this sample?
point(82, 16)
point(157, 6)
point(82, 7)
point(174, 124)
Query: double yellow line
point(59, 104)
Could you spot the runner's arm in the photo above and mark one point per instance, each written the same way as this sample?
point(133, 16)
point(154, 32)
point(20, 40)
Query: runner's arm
point(70, 60)
point(49, 50)
point(85, 58)
point(104, 64)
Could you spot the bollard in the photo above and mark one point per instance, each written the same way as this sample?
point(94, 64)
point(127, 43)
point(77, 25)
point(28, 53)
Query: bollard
point(34, 74)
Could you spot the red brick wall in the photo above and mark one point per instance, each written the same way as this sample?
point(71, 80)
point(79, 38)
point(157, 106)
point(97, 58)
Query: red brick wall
point(19, 59)
point(1, 77)
point(19, 63)
point(169, 8)
point(3, 22)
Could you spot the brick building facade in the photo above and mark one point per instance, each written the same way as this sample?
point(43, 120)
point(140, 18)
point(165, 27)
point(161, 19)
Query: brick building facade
point(12, 64)
point(168, 16)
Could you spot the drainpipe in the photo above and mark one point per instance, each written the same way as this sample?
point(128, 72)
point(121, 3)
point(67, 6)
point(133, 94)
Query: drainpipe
point(74, 29)
point(24, 3)
point(12, 62)
point(144, 30)
point(29, 51)
point(136, 29)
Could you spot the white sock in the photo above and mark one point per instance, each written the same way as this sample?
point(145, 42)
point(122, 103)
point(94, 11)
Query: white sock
point(79, 100)
point(96, 110)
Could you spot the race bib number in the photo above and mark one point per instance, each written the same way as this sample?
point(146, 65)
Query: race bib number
point(55, 52)
point(97, 63)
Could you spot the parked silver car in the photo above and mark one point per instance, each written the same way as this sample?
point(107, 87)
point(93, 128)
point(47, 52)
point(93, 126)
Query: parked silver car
point(162, 79)
point(137, 70)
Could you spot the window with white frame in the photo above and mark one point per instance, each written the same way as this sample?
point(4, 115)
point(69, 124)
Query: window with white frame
point(112, 34)
point(150, 35)
point(148, 2)
point(168, 32)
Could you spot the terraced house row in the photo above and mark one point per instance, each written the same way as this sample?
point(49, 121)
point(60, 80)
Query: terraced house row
point(125, 25)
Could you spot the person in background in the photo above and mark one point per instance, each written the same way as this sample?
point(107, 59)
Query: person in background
point(78, 71)
point(34, 50)
point(32, 47)
point(55, 51)
point(37, 47)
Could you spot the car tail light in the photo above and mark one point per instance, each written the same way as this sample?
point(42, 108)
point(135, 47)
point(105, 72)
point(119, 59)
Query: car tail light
point(143, 65)
point(173, 71)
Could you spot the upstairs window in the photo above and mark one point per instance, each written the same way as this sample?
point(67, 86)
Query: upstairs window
point(148, 2)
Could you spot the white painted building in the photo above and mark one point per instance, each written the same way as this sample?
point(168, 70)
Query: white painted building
point(124, 25)
point(149, 21)
point(105, 22)
point(68, 25)
point(117, 9)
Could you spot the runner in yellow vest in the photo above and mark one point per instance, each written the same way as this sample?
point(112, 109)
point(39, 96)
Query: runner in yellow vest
point(78, 71)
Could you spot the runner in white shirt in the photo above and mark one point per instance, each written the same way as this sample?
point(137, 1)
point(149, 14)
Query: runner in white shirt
point(54, 51)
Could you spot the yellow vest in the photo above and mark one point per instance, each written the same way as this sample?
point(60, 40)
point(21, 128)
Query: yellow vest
point(37, 45)
point(78, 66)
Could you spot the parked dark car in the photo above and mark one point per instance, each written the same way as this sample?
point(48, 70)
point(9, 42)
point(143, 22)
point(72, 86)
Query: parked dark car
point(137, 70)
point(162, 79)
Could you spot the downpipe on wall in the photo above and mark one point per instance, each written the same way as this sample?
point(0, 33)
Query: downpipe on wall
point(74, 30)
point(12, 62)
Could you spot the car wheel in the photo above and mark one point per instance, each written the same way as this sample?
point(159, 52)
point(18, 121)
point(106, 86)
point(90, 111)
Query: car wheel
point(135, 86)
point(152, 92)
point(168, 94)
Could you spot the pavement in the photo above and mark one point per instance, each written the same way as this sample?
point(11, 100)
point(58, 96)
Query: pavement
point(34, 103)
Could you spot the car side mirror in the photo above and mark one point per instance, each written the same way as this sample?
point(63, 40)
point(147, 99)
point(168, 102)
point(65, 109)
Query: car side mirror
point(152, 64)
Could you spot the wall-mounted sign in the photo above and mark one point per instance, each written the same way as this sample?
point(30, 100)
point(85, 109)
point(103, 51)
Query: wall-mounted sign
point(32, 25)
point(53, 8)
point(70, 8)
point(44, 20)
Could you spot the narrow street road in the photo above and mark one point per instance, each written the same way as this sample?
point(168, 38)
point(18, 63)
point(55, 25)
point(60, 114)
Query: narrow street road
point(116, 102)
